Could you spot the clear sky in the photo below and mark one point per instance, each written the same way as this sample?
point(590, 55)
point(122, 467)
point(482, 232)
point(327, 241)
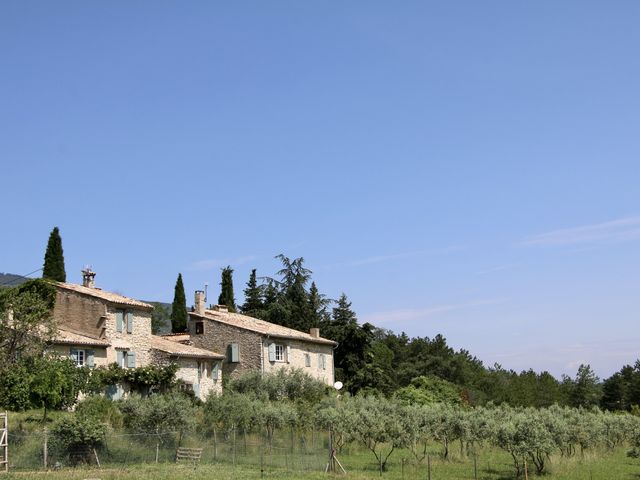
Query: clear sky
point(466, 168)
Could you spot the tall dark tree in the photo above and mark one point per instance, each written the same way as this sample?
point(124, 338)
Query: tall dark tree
point(179, 308)
point(226, 293)
point(54, 258)
point(295, 298)
point(586, 391)
point(318, 304)
point(352, 355)
point(252, 296)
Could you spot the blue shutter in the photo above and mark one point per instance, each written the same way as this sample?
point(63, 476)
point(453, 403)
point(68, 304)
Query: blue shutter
point(215, 371)
point(131, 359)
point(196, 389)
point(91, 362)
point(73, 353)
point(120, 357)
point(307, 360)
point(288, 354)
point(272, 352)
point(235, 353)
point(129, 322)
point(119, 320)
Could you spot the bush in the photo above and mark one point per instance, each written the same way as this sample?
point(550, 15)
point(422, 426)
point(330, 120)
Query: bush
point(101, 409)
point(76, 437)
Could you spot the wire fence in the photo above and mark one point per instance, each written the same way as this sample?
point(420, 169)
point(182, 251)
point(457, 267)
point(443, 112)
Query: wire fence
point(289, 450)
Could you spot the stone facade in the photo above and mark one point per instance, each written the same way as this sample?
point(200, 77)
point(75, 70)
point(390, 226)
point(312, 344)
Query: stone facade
point(299, 354)
point(99, 353)
point(253, 350)
point(218, 337)
point(198, 373)
point(96, 318)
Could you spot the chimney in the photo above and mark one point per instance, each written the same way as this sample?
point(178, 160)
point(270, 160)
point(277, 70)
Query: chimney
point(199, 302)
point(221, 308)
point(88, 277)
point(314, 332)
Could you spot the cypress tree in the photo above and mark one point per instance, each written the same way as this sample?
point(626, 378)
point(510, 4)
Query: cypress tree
point(252, 296)
point(226, 294)
point(53, 268)
point(317, 306)
point(179, 308)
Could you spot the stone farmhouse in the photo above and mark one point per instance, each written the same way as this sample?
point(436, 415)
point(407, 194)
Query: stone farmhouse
point(253, 344)
point(97, 328)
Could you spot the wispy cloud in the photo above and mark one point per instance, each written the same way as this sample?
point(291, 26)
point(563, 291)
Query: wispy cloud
point(210, 263)
point(499, 268)
point(614, 231)
point(410, 314)
point(398, 256)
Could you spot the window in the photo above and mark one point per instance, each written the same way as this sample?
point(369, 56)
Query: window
point(307, 360)
point(215, 371)
point(124, 321)
point(279, 353)
point(322, 361)
point(79, 357)
point(199, 328)
point(126, 359)
point(82, 358)
point(202, 371)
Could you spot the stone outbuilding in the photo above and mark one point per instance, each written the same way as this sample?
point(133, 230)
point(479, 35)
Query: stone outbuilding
point(253, 344)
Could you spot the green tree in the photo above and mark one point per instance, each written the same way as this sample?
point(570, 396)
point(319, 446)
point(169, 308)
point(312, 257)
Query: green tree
point(352, 355)
point(26, 320)
point(252, 296)
point(160, 318)
point(179, 308)
point(586, 391)
point(226, 294)
point(54, 258)
point(318, 304)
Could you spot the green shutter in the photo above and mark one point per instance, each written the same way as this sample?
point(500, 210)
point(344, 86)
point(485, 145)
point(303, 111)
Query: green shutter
point(119, 320)
point(288, 354)
point(234, 353)
point(272, 352)
point(215, 371)
point(91, 362)
point(73, 353)
point(129, 322)
point(119, 356)
point(131, 359)
point(196, 389)
point(307, 360)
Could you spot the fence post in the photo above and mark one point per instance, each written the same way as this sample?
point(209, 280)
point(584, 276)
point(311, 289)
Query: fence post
point(45, 448)
point(428, 467)
point(475, 466)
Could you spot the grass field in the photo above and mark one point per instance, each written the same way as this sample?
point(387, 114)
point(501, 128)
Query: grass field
point(133, 457)
point(492, 465)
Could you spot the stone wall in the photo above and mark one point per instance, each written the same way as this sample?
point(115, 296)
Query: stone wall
point(217, 337)
point(296, 358)
point(137, 341)
point(96, 318)
point(188, 372)
point(79, 313)
point(99, 353)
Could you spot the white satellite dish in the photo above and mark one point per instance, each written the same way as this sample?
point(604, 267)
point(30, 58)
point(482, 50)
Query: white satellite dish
point(337, 385)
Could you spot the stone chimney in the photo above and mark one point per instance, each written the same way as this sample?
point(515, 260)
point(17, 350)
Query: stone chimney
point(88, 277)
point(199, 302)
point(221, 308)
point(314, 332)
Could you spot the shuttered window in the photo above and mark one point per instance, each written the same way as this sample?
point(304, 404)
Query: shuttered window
point(233, 353)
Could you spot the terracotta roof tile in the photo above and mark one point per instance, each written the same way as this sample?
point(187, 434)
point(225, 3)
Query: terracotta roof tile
point(104, 295)
point(180, 349)
point(260, 326)
point(64, 337)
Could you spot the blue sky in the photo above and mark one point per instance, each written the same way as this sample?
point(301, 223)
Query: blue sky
point(464, 168)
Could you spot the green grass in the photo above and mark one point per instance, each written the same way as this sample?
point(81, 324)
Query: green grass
point(132, 457)
point(492, 465)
